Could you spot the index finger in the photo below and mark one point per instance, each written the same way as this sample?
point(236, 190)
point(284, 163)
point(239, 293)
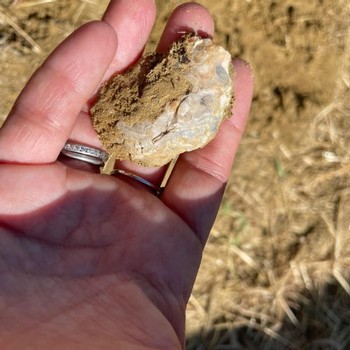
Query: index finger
point(133, 22)
point(45, 112)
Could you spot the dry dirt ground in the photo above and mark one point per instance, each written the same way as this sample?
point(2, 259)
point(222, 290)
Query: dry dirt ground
point(275, 273)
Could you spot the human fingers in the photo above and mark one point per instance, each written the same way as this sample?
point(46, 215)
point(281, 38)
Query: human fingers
point(188, 17)
point(196, 186)
point(45, 112)
point(133, 22)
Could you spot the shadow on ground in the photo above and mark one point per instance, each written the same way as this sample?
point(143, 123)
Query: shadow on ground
point(322, 322)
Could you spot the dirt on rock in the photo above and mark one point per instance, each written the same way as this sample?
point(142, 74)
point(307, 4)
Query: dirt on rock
point(139, 95)
point(167, 104)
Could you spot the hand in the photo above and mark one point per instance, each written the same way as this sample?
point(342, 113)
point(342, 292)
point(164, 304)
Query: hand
point(90, 261)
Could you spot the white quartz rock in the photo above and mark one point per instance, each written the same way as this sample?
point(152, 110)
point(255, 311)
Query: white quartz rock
point(185, 122)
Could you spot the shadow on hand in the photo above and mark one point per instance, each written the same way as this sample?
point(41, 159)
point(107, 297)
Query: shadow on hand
point(92, 232)
point(85, 244)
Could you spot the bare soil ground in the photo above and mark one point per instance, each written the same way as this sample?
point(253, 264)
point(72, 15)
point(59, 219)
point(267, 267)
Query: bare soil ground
point(276, 271)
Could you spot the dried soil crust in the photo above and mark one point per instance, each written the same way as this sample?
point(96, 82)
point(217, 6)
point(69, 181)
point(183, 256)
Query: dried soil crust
point(140, 94)
point(167, 104)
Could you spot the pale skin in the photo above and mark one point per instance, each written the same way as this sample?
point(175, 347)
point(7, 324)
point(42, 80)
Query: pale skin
point(90, 261)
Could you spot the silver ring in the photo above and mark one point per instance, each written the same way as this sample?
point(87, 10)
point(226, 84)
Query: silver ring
point(155, 189)
point(85, 153)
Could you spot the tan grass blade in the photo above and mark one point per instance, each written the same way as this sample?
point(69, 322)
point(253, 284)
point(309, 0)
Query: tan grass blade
point(245, 257)
point(271, 333)
point(198, 307)
point(338, 275)
point(79, 12)
point(24, 4)
point(282, 301)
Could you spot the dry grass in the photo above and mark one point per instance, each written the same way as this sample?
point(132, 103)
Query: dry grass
point(275, 273)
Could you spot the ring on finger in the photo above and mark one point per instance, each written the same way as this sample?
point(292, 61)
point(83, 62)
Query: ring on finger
point(85, 153)
point(99, 157)
point(155, 189)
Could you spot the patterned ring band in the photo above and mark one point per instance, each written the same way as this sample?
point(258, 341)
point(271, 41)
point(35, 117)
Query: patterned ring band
point(85, 153)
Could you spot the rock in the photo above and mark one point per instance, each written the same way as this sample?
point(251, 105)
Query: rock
point(167, 104)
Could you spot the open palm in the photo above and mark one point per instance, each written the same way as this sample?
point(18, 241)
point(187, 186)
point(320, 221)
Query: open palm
point(90, 261)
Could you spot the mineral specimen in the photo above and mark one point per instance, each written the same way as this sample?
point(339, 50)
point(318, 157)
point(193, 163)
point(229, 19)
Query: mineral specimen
point(167, 104)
